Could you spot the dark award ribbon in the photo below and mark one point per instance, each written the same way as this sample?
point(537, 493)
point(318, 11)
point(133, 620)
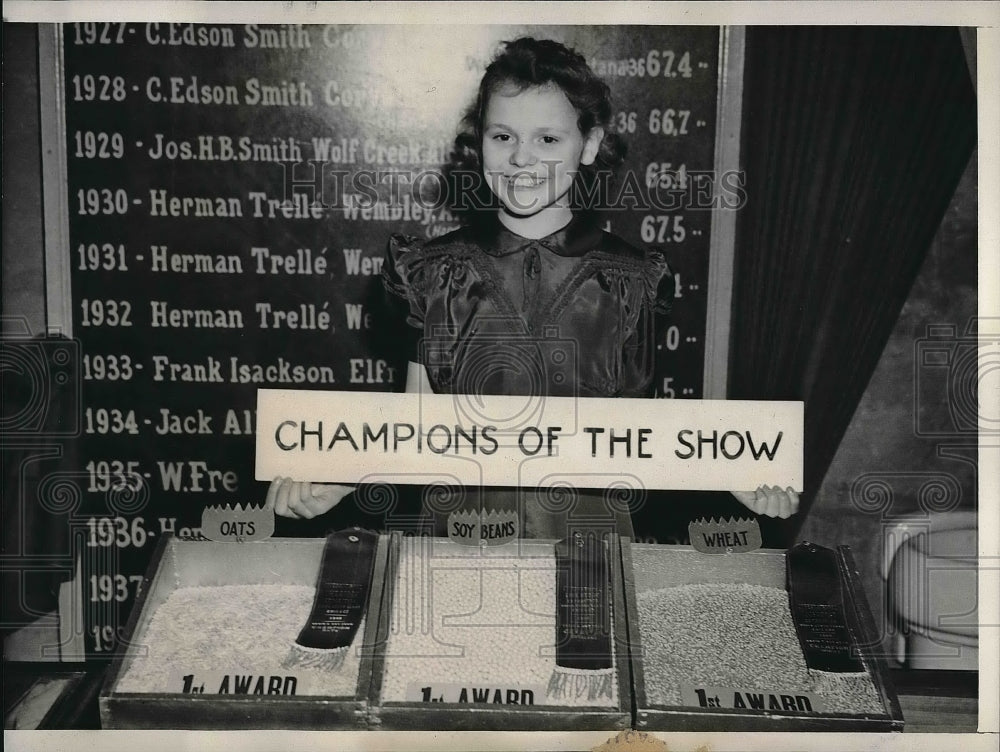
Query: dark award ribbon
point(339, 603)
point(583, 614)
point(817, 606)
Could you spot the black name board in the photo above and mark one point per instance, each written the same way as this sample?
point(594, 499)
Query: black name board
point(221, 236)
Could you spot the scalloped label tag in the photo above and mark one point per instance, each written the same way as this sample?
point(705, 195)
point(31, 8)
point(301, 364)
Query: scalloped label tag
point(237, 524)
point(492, 527)
point(725, 536)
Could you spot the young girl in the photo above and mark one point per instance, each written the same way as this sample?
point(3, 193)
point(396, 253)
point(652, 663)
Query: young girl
point(531, 298)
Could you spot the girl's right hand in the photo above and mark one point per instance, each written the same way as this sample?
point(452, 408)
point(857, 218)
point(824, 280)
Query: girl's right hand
point(770, 501)
point(302, 499)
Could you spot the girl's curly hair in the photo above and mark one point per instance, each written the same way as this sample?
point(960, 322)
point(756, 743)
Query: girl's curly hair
point(524, 63)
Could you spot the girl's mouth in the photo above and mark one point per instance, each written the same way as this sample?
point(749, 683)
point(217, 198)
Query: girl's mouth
point(524, 181)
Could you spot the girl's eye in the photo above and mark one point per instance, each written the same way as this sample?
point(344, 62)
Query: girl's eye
point(550, 140)
point(502, 137)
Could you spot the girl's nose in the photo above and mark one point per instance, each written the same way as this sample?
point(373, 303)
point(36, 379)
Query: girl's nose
point(522, 155)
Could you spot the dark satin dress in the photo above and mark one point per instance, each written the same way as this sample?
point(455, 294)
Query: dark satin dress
point(571, 314)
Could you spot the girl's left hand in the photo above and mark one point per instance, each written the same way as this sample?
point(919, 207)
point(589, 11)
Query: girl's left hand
point(303, 501)
point(770, 501)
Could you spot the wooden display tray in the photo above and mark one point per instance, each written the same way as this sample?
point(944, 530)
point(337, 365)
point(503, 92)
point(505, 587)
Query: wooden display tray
point(455, 717)
point(762, 567)
point(176, 563)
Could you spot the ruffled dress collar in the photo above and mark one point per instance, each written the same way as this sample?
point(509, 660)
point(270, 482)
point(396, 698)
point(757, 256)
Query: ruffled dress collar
point(579, 235)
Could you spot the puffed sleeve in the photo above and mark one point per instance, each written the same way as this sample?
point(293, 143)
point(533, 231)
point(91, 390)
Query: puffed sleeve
point(653, 301)
point(404, 300)
point(660, 283)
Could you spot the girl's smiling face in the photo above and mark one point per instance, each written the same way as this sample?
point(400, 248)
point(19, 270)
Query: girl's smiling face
point(532, 149)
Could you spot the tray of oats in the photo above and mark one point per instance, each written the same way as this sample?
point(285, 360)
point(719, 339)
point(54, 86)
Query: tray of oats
point(494, 637)
point(211, 642)
point(714, 647)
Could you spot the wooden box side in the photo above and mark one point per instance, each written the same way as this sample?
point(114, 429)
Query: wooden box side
point(418, 716)
point(206, 712)
point(623, 662)
point(865, 633)
point(274, 561)
point(150, 583)
point(633, 637)
point(373, 615)
point(383, 625)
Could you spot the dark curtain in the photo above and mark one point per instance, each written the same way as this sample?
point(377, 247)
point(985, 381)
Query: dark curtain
point(853, 142)
point(40, 472)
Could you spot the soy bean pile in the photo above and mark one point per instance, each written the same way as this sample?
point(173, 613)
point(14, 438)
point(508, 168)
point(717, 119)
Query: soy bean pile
point(735, 635)
point(475, 619)
point(234, 629)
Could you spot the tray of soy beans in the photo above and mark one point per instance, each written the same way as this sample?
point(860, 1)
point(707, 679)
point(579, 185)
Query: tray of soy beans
point(506, 637)
point(717, 644)
point(212, 641)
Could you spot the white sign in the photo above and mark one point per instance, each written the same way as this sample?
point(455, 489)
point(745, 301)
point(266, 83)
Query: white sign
point(535, 442)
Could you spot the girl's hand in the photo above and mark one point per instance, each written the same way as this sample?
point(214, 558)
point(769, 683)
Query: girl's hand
point(770, 501)
point(303, 500)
